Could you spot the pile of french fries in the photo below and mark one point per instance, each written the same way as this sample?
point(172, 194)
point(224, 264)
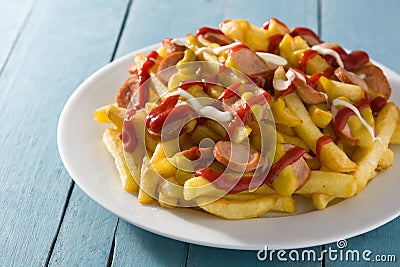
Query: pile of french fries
point(341, 171)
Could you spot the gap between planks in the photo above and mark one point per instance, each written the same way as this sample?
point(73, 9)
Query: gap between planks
point(72, 185)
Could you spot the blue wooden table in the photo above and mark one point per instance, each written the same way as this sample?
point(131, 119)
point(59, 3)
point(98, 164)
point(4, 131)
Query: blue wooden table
point(47, 48)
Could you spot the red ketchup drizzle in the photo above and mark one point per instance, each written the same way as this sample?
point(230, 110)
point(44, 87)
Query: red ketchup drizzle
point(143, 75)
point(243, 112)
point(128, 135)
point(306, 56)
point(157, 116)
point(225, 182)
point(237, 48)
point(204, 30)
point(192, 154)
point(353, 60)
point(377, 104)
point(313, 79)
point(341, 119)
point(290, 89)
point(323, 140)
point(289, 158)
point(268, 22)
point(230, 91)
point(302, 31)
point(274, 41)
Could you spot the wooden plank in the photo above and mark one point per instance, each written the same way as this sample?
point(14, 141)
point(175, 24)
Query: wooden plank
point(62, 43)
point(12, 19)
point(350, 24)
point(86, 234)
point(137, 247)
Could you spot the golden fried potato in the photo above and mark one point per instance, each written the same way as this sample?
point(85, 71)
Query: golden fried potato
point(114, 146)
point(238, 209)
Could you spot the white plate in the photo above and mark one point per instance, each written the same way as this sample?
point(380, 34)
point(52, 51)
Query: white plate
point(92, 167)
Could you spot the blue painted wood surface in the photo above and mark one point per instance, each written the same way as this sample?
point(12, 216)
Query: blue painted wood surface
point(48, 47)
point(13, 17)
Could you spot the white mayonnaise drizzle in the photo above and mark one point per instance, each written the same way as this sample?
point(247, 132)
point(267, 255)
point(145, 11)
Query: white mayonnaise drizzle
point(362, 76)
point(272, 58)
point(206, 111)
point(282, 85)
point(215, 50)
point(337, 102)
point(327, 51)
point(177, 42)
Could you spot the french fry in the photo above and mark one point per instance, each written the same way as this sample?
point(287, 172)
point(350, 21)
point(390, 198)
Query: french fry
point(395, 139)
point(330, 183)
point(321, 201)
point(320, 117)
point(170, 193)
point(283, 115)
point(386, 160)
point(335, 89)
point(295, 141)
point(238, 209)
point(386, 122)
point(111, 114)
point(331, 156)
point(114, 146)
point(199, 186)
point(285, 204)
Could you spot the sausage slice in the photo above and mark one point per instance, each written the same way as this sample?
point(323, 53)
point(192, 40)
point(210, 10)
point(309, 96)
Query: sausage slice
point(308, 94)
point(170, 60)
point(238, 157)
point(376, 80)
point(219, 38)
point(127, 90)
point(345, 134)
point(350, 77)
point(249, 62)
point(171, 46)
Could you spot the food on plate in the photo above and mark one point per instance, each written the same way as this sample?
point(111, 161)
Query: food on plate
point(244, 120)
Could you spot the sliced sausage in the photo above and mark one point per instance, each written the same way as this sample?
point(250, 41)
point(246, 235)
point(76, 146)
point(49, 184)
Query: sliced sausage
point(219, 38)
point(127, 90)
point(254, 66)
point(308, 35)
point(350, 77)
point(171, 46)
point(300, 167)
point(170, 60)
point(308, 94)
point(238, 157)
point(249, 62)
point(376, 80)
